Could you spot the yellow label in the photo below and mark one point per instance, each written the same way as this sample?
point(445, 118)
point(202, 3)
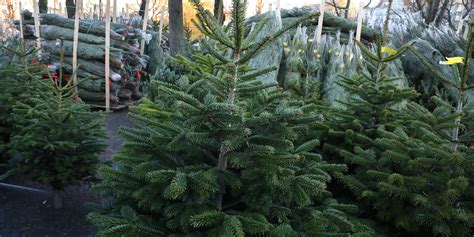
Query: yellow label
point(452, 60)
point(389, 50)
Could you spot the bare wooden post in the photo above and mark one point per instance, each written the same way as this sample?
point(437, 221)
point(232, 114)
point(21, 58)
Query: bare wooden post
point(75, 42)
point(20, 8)
point(123, 15)
point(127, 15)
point(319, 30)
point(37, 25)
point(114, 13)
point(162, 18)
point(360, 17)
point(145, 23)
point(91, 13)
point(60, 9)
point(107, 55)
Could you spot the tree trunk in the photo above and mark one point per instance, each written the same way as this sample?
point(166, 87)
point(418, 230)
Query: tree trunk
point(176, 26)
point(141, 12)
point(43, 6)
point(346, 11)
point(219, 11)
point(440, 16)
point(71, 8)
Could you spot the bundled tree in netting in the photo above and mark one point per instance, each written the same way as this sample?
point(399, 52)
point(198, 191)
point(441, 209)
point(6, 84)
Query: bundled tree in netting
point(58, 139)
point(19, 82)
point(403, 170)
point(221, 153)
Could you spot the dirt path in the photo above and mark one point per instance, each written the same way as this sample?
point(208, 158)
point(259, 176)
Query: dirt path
point(30, 214)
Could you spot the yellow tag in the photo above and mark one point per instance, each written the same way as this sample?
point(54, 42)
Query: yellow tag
point(453, 60)
point(389, 50)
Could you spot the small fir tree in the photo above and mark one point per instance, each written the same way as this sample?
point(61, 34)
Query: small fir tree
point(403, 172)
point(18, 83)
point(57, 138)
point(222, 154)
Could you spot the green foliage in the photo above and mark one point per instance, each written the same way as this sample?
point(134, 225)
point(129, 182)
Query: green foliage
point(219, 153)
point(57, 138)
point(404, 172)
point(18, 83)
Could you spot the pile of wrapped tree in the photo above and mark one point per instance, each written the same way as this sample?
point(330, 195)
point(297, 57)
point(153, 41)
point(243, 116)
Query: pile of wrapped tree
point(332, 24)
point(126, 64)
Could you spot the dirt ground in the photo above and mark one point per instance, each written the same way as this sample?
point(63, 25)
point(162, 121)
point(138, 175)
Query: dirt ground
point(31, 214)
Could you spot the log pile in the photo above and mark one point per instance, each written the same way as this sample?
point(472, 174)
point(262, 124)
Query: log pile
point(126, 65)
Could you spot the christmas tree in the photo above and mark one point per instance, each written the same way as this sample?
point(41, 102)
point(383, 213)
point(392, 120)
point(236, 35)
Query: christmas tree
point(19, 82)
point(219, 153)
point(58, 138)
point(403, 170)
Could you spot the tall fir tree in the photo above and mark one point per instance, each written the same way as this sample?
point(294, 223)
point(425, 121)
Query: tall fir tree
point(219, 153)
point(403, 172)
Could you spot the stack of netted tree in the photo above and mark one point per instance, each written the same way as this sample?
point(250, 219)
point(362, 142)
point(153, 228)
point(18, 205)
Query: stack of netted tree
point(127, 65)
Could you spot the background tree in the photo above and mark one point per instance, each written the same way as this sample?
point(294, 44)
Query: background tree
point(219, 11)
point(259, 7)
point(43, 6)
point(433, 11)
point(141, 11)
point(70, 8)
point(176, 26)
point(341, 8)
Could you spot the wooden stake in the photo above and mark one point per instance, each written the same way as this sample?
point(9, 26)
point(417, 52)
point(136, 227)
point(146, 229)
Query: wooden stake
point(360, 17)
point(55, 6)
point(127, 16)
point(162, 18)
point(123, 15)
point(20, 8)
point(114, 14)
point(107, 55)
point(145, 23)
point(37, 25)
point(319, 30)
point(75, 42)
point(60, 9)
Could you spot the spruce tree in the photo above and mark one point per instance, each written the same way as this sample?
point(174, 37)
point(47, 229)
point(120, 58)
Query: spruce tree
point(403, 172)
point(58, 139)
point(219, 153)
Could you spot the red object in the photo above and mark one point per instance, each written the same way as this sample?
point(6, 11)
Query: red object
point(139, 74)
point(55, 76)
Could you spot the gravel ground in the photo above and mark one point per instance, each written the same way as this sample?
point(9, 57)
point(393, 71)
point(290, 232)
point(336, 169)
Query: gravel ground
point(30, 214)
